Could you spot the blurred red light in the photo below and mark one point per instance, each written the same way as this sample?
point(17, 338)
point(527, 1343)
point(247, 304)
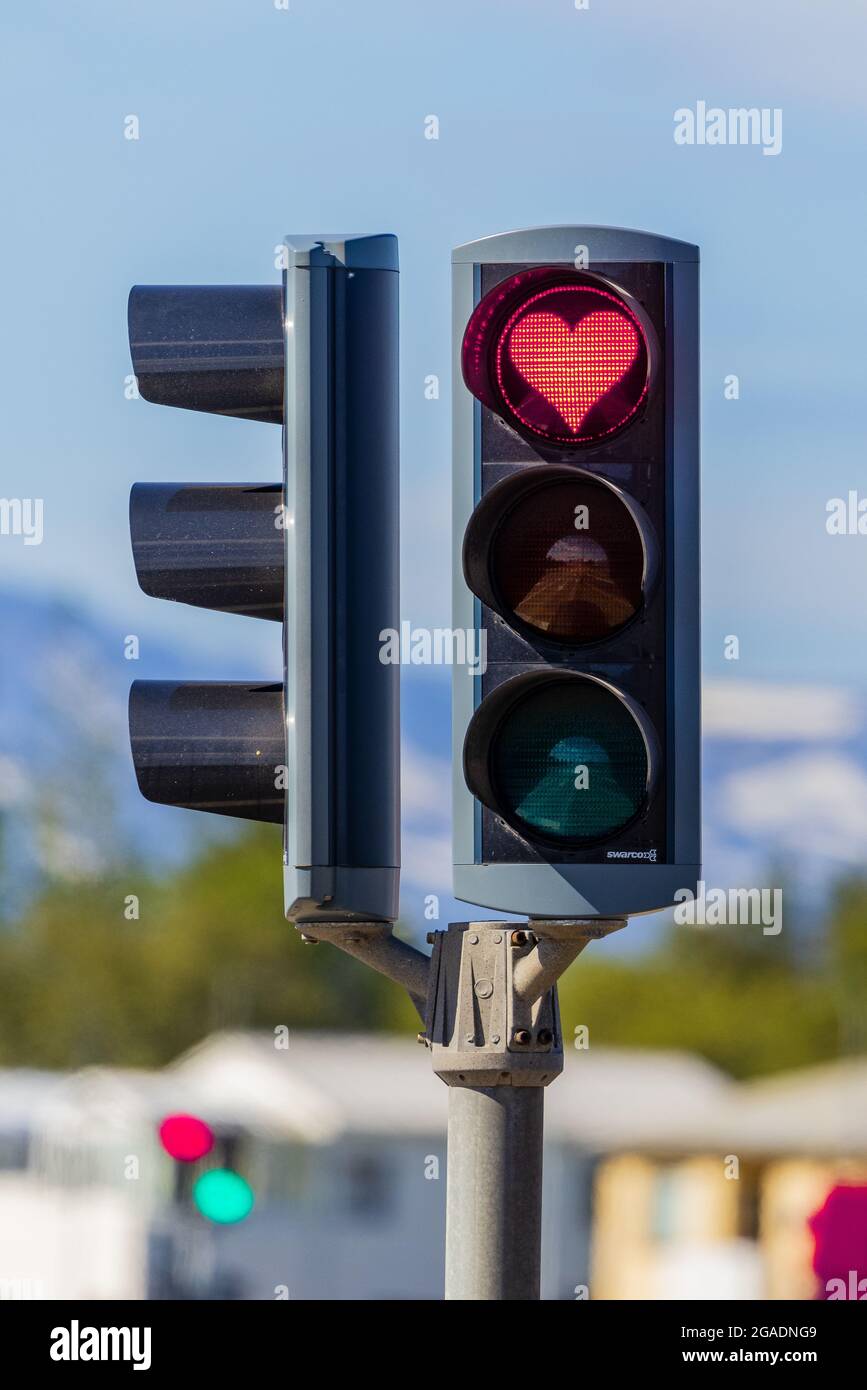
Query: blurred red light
point(186, 1138)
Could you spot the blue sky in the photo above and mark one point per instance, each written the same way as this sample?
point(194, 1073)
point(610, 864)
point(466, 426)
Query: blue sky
point(255, 121)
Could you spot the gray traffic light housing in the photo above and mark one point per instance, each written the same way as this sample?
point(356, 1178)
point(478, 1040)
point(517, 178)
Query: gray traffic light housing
point(341, 452)
point(317, 752)
point(576, 561)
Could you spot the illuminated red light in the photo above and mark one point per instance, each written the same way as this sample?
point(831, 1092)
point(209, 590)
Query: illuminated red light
point(186, 1138)
point(573, 368)
point(564, 357)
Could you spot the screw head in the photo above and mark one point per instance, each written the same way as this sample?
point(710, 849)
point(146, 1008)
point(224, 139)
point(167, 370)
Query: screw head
point(521, 1037)
point(483, 988)
point(474, 940)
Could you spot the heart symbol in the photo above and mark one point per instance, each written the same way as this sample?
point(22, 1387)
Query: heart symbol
point(573, 368)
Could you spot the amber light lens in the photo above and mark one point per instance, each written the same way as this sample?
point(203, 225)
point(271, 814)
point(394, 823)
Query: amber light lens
point(572, 362)
point(568, 560)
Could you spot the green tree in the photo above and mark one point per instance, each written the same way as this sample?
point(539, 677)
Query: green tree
point(81, 982)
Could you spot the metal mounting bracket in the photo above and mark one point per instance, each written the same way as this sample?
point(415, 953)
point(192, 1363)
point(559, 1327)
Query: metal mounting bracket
point(492, 1016)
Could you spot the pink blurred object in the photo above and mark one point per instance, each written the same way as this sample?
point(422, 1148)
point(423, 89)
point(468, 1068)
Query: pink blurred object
point(840, 1231)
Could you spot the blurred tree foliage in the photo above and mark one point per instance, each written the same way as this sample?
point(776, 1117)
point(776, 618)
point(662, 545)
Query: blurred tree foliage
point(83, 982)
point(80, 982)
point(750, 1003)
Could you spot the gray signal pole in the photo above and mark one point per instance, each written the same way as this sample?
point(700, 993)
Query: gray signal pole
point(488, 998)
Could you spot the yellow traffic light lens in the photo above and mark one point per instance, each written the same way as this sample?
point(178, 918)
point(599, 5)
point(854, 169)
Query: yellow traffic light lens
point(568, 560)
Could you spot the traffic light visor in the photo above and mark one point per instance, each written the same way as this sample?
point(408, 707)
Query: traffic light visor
point(214, 545)
point(215, 746)
point(216, 348)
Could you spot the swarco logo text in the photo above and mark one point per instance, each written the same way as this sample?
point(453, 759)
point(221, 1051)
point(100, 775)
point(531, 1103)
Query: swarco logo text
point(646, 854)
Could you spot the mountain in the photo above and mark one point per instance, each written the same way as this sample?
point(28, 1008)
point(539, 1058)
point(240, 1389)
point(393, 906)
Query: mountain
point(69, 802)
point(785, 767)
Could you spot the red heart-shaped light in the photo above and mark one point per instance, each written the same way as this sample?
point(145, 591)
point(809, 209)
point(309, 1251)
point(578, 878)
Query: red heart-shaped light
point(573, 368)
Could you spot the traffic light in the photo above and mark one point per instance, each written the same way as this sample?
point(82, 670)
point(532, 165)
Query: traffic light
point(576, 513)
point(219, 1193)
point(317, 752)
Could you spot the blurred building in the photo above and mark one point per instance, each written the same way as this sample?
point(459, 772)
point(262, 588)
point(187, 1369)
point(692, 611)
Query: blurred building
point(663, 1178)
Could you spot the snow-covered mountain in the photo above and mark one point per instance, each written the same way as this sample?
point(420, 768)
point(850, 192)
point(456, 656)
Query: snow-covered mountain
point(69, 802)
point(785, 766)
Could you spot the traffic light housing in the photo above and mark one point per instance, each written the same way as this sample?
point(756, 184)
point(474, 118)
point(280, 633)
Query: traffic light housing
point(317, 752)
point(575, 492)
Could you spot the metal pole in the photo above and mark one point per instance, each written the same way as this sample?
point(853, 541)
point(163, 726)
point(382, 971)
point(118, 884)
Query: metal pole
point(493, 1026)
point(488, 997)
point(494, 1211)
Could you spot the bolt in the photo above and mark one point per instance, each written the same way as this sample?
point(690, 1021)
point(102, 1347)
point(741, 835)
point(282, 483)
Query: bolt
point(495, 1038)
point(521, 1037)
point(519, 938)
point(421, 1038)
point(474, 941)
point(483, 988)
point(545, 1037)
point(498, 938)
point(431, 938)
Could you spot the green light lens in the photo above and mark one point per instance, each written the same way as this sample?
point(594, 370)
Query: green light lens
point(223, 1196)
point(569, 763)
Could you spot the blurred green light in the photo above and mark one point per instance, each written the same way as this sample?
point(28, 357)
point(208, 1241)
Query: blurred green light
point(223, 1196)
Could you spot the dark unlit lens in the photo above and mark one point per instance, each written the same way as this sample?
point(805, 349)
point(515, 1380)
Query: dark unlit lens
point(568, 560)
point(569, 763)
